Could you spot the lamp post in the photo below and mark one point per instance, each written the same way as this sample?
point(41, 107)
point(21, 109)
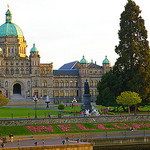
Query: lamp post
point(35, 99)
point(74, 101)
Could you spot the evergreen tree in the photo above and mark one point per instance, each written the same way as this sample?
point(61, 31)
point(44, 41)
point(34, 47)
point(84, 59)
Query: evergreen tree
point(133, 63)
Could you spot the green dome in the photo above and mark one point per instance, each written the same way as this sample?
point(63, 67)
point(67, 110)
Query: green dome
point(34, 49)
point(83, 60)
point(106, 61)
point(10, 28)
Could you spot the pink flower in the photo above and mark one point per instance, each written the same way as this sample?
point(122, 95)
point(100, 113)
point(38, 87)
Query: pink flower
point(40, 128)
point(83, 128)
point(125, 126)
point(140, 125)
point(66, 127)
point(100, 126)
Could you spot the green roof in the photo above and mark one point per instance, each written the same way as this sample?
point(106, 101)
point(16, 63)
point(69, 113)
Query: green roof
point(106, 61)
point(10, 28)
point(34, 49)
point(83, 60)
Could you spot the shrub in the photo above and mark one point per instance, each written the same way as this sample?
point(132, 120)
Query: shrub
point(61, 106)
point(3, 100)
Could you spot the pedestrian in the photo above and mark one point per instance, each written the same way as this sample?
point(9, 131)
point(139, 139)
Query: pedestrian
point(80, 112)
point(11, 137)
point(72, 105)
point(49, 115)
point(2, 144)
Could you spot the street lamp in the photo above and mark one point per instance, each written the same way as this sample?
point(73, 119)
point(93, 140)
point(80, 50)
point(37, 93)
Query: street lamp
point(35, 100)
point(74, 101)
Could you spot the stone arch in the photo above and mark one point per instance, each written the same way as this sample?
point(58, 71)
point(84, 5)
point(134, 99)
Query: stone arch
point(17, 88)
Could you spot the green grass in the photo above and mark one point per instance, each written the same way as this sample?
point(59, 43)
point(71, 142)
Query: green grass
point(22, 130)
point(42, 112)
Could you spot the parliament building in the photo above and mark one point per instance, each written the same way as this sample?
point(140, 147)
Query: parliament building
point(22, 76)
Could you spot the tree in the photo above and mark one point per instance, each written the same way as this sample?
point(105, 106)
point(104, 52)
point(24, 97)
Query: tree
point(108, 88)
point(133, 63)
point(128, 98)
point(3, 100)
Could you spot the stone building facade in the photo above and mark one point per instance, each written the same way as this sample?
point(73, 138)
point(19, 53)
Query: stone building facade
point(22, 76)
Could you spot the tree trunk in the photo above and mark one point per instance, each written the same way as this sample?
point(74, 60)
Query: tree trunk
point(129, 110)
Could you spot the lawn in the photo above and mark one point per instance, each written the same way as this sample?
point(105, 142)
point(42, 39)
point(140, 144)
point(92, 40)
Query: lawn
point(72, 128)
point(42, 112)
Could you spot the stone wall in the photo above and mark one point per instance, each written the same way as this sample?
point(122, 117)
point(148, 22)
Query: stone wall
point(99, 119)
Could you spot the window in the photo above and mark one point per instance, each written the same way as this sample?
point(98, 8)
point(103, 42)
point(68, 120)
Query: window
point(66, 83)
point(61, 83)
point(44, 83)
point(17, 71)
point(71, 83)
point(12, 71)
point(91, 83)
point(71, 92)
point(61, 93)
point(76, 92)
point(56, 84)
point(22, 71)
point(95, 83)
point(91, 92)
point(56, 93)
point(44, 93)
point(6, 71)
point(66, 93)
point(76, 83)
point(95, 92)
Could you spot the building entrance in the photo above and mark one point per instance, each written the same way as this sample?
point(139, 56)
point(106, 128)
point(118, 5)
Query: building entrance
point(17, 88)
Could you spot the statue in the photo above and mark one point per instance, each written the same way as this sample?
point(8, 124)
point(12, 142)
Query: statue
point(86, 87)
point(86, 97)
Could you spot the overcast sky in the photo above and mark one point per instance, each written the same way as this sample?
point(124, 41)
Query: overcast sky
point(65, 30)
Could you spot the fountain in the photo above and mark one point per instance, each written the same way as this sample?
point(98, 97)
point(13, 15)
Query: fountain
point(47, 101)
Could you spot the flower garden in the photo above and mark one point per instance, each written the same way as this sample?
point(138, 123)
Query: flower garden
point(73, 128)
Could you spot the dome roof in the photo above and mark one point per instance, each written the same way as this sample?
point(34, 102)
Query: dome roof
point(83, 60)
point(34, 49)
point(106, 61)
point(10, 28)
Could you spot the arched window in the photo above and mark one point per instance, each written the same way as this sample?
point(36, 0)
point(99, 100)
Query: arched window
point(91, 83)
point(91, 92)
point(44, 93)
point(44, 83)
point(66, 93)
point(61, 83)
point(17, 71)
point(95, 83)
point(56, 93)
point(66, 83)
point(61, 93)
point(71, 92)
point(95, 92)
point(71, 83)
point(56, 84)
point(6, 71)
point(12, 71)
point(76, 83)
point(22, 71)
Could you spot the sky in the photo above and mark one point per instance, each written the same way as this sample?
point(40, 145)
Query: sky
point(65, 30)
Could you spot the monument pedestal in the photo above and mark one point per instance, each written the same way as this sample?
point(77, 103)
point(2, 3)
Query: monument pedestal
point(87, 102)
